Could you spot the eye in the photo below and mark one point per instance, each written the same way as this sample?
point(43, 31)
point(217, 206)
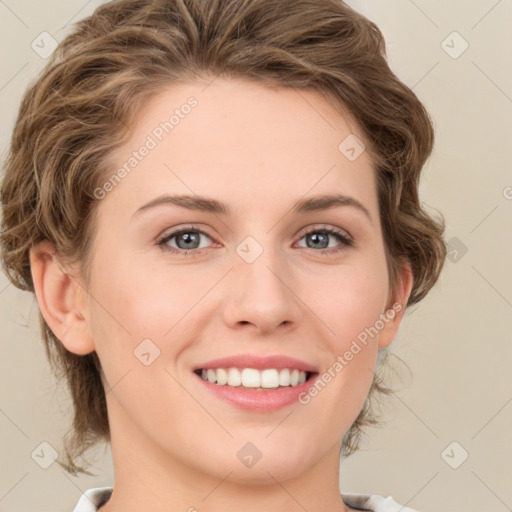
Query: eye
point(187, 241)
point(319, 238)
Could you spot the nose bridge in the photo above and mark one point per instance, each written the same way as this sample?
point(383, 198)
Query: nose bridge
point(260, 288)
point(258, 262)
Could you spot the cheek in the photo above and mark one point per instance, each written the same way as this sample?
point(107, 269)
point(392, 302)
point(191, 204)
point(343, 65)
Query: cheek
point(136, 302)
point(348, 298)
point(350, 302)
point(130, 318)
point(145, 299)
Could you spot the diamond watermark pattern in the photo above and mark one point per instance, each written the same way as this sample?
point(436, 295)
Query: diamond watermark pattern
point(44, 45)
point(454, 45)
point(44, 455)
point(352, 147)
point(249, 455)
point(454, 455)
point(249, 249)
point(456, 249)
point(146, 352)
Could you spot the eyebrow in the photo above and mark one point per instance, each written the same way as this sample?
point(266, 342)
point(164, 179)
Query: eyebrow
point(207, 204)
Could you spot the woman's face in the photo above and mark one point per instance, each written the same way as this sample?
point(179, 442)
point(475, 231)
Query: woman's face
point(257, 277)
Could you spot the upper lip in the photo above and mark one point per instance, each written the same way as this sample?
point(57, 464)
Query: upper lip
point(258, 362)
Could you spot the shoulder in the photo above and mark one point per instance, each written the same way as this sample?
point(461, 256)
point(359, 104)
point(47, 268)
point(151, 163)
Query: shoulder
point(92, 499)
point(374, 503)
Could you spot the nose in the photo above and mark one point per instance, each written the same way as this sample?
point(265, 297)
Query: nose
point(260, 295)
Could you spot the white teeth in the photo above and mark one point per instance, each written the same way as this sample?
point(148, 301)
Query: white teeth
point(284, 377)
point(252, 378)
point(234, 377)
point(269, 379)
point(222, 376)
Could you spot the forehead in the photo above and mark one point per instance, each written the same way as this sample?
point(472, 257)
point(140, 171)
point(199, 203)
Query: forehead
point(241, 141)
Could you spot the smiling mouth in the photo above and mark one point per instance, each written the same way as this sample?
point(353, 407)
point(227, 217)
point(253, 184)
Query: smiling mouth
point(254, 379)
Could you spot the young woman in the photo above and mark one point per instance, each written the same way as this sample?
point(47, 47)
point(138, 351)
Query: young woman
point(216, 206)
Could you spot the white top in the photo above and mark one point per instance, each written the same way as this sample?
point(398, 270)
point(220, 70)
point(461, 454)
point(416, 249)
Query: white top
point(92, 499)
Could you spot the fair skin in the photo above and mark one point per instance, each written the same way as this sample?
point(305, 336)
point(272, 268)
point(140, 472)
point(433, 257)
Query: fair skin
point(258, 150)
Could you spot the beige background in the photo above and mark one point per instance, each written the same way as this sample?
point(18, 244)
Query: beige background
point(457, 342)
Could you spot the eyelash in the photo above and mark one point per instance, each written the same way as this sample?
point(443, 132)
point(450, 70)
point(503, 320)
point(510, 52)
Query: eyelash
point(345, 240)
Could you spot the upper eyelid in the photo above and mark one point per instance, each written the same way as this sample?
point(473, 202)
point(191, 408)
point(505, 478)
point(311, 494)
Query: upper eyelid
point(327, 227)
point(185, 229)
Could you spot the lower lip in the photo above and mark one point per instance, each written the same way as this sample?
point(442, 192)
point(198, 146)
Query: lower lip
point(264, 400)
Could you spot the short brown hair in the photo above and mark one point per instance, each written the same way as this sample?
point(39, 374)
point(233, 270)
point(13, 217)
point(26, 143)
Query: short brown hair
point(79, 109)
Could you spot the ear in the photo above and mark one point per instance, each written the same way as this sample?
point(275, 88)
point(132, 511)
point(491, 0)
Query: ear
point(395, 309)
point(60, 296)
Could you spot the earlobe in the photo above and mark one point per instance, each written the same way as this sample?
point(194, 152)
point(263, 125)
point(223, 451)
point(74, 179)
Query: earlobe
point(58, 294)
point(396, 308)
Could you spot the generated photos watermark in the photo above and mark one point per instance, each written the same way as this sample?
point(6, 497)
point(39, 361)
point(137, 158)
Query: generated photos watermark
point(343, 360)
point(152, 140)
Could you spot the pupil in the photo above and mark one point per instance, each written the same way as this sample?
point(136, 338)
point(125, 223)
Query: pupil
point(189, 237)
point(316, 236)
